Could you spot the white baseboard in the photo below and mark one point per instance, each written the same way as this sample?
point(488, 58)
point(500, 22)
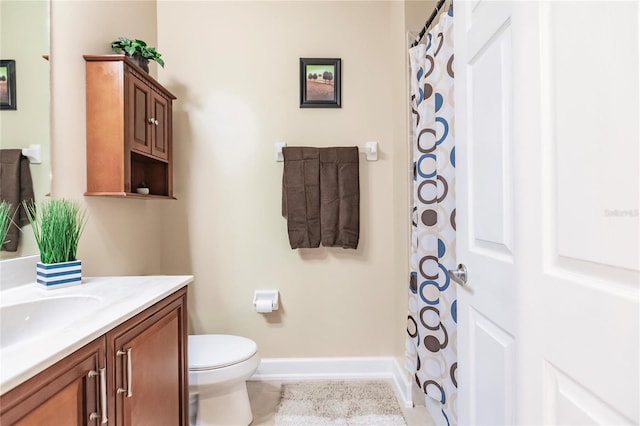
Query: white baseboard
point(349, 368)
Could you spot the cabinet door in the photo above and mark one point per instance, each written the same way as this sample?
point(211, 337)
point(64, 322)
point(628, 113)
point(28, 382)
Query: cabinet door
point(68, 393)
point(160, 127)
point(138, 115)
point(149, 357)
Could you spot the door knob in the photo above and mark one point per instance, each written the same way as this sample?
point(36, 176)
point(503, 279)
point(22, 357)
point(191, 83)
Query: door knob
point(459, 275)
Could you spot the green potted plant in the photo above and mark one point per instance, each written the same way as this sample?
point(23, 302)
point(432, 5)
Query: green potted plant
point(57, 226)
point(5, 220)
point(138, 51)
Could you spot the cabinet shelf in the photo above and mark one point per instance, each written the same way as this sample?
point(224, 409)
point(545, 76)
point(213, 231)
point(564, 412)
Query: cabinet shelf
point(129, 195)
point(129, 130)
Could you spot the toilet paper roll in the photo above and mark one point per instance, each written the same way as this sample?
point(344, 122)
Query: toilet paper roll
point(264, 306)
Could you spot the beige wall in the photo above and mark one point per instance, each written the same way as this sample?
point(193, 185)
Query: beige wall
point(402, 177)
point(122, 236)
point(234, 68)
point(416, 14)
point(24, 37)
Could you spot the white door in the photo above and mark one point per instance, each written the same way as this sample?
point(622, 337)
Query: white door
point(547, 147)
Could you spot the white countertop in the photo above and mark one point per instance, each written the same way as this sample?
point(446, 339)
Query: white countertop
point(119, 298)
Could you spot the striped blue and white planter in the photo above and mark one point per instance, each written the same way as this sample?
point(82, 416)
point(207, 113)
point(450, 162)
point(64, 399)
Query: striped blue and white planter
point(58, 275)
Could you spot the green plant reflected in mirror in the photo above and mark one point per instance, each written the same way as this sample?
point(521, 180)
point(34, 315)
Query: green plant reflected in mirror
point(5, 220)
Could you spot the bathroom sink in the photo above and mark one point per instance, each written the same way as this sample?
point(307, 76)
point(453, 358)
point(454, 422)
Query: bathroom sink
point(28, 320)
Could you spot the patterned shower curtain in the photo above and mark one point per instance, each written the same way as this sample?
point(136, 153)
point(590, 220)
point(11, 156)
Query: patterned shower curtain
point(431, 325)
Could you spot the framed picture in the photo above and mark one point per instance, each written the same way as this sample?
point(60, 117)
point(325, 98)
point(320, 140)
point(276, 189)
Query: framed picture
point(320, 83)
point(7, 84)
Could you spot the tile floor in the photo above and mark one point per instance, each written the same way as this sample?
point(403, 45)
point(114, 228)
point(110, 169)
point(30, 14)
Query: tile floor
point(265, 396)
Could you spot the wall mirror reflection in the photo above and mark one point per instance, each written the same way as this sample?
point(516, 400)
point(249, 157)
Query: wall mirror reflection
point(24, 38)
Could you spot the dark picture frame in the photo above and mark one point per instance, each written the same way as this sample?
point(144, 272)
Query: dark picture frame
point(7, 84)
point(320, 82)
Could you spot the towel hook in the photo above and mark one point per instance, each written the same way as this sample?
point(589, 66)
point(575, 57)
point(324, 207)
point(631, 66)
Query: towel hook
point(33, 153)
point(371, 151)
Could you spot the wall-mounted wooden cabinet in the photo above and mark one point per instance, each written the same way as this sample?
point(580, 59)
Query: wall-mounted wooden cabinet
point(129, 129)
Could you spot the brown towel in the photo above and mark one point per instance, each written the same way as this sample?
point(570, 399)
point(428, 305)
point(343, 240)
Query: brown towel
point(340, 197)
point(321, 196)
point(15, 186)
point(301, 196)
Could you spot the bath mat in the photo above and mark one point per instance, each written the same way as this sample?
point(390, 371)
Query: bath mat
point(338, 403)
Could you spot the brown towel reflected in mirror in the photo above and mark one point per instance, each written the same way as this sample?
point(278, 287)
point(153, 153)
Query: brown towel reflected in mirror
point(15, 186)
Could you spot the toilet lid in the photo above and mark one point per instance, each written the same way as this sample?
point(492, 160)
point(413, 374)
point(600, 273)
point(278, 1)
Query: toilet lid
point(210, 351)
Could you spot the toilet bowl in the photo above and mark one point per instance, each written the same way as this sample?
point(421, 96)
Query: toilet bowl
point(219, 366)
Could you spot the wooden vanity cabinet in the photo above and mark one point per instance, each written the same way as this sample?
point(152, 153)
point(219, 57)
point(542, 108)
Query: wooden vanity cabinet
point(143, 362)
point(129, 129)
point(67, 393)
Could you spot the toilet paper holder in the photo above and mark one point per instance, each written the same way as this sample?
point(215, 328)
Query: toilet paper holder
point(265, 300)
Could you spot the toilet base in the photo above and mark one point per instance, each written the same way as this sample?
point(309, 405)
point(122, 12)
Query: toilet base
point(228, 408)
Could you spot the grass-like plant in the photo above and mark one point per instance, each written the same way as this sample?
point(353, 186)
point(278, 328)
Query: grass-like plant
point(5, 220)
point(57, 226)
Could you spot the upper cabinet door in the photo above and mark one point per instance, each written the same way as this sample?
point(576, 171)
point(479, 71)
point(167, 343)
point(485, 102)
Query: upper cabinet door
point(149, 120)
point(140, 118)
point(160, 127)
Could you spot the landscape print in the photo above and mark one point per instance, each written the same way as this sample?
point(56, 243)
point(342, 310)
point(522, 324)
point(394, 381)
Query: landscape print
point(4, 85)
point(7, 84)
point(320, 82)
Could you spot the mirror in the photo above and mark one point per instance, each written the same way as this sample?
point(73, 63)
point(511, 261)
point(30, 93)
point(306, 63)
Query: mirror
point(24, 37)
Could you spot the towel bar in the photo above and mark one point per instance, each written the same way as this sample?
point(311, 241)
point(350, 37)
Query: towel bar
point(370, 150)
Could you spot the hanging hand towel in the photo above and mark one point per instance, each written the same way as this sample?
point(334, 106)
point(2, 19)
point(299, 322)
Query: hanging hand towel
point(301, 196)
point(340, 197)
point(15, 186)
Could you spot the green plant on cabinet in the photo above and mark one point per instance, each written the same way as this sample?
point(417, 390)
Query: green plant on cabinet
point(135, 47)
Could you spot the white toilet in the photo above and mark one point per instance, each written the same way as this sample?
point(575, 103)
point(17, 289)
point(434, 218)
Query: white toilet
point(219, 366)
